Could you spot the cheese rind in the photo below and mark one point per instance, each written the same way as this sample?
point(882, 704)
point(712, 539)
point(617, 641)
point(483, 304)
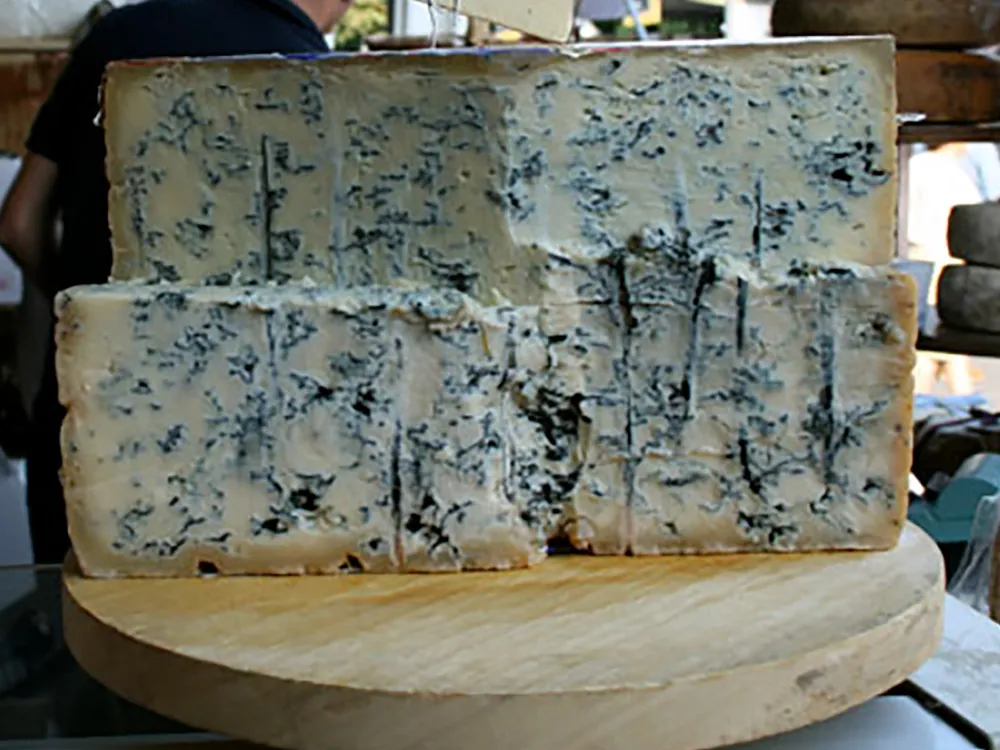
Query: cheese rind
point(974, 234)
point(473, 170)
point(969, 298)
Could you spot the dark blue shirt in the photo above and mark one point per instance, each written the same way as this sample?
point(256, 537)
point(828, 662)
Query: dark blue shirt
point(64, 130)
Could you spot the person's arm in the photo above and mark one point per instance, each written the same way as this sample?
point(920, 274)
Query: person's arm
point(29, 218)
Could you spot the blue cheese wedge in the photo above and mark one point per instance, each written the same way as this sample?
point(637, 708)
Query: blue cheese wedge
point(337, 380)
point(772, 415)
point(572, 457)
point(295, 429)
point(285, 430)
point(493, 172)
point(454, 445)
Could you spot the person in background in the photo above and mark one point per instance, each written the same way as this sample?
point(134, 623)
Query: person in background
point(940, 179)
point(54, 221)
point(982, 162)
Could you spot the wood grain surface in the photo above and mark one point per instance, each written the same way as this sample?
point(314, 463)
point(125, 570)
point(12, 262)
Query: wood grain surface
point(580, 652)
point(955, 24)
point(945, 86)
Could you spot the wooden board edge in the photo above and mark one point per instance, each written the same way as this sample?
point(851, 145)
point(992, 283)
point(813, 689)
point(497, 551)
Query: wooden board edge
point(948, 86)
point(302, 716)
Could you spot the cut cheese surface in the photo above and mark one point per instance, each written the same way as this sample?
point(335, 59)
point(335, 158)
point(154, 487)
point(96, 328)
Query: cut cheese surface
point(454, 443)
point(301, 429)
point(499, 172)
point(283, 430)
point(445, 311)
point(773, 417)
point(588, 377)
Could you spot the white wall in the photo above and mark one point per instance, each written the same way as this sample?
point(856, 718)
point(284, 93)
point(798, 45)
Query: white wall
point(413, 18)
point(35, 315)
point(746, 21)
point(15, 540)
point(45, 18)
point(11, 284)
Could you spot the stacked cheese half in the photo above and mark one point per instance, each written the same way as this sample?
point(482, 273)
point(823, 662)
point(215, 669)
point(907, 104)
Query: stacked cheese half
point(439, 312)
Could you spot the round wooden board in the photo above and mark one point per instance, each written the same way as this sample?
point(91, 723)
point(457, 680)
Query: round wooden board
point(580, 652)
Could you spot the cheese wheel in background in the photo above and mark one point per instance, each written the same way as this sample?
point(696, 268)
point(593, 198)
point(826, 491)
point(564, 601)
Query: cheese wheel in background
point(25, 82)
point(974, 234)
point(918, 23)
point(969, 298)
point(946, 86)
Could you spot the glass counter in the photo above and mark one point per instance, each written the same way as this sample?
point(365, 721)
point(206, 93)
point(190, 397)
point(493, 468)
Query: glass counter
point(46, 699)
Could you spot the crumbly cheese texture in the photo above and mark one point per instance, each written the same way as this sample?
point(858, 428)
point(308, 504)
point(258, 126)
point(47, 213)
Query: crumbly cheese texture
point(500, 173)
point(774, 416)
point(571, 455)
point(285, 430)
point(297, 429)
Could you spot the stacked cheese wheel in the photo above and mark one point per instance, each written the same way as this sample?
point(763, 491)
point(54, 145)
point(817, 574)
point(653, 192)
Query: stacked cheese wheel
point(968, 293)
point(443, 311)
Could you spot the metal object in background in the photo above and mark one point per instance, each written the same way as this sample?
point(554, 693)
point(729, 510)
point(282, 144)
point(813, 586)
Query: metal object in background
point(633, 11)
